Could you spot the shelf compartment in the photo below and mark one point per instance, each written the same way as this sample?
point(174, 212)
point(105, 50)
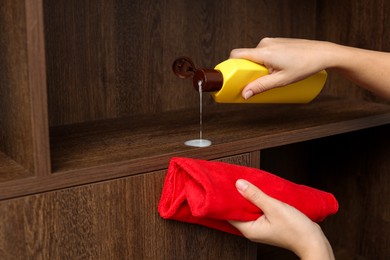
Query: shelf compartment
point(231, 128)
point(97, 151)
point(11, 170)
point(23, 102)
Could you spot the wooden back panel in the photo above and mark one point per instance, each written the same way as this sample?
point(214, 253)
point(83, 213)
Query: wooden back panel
point(114, 59)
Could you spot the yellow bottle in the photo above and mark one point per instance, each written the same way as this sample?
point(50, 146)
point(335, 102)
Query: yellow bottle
point(227, 80)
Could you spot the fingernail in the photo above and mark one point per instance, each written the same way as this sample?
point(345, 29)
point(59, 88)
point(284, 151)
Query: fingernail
point(242, 185)
point(248, 94)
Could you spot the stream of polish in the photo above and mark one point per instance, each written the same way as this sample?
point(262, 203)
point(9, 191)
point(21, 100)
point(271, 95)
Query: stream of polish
point(199, 142)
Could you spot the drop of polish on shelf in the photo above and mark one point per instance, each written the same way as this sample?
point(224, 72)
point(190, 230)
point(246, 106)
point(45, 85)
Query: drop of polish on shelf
point(199, 142)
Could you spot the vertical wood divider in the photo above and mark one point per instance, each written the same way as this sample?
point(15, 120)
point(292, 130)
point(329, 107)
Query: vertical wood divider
point(255, 159)
point(37, 85)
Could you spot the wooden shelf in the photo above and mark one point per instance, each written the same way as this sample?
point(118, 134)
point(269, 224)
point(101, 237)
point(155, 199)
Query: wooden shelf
point(91, 152)
point(231, 128)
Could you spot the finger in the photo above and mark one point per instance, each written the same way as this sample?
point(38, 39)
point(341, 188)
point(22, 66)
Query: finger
point(266, 41)
point(262, 84)
point(252, 54)
point(255, 195)
point(241, 225)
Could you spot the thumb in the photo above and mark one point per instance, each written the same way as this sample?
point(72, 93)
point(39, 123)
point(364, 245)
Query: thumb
point(255, 195)
point(264, 83)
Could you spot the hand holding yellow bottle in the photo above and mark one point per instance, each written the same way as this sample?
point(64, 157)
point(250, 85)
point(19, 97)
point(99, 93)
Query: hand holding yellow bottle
point(228, 79)
point(237, 73)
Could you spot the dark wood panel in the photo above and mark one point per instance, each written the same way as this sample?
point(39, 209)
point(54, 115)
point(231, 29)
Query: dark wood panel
point(110, 220)
point(357, 172)
point(37, 87)
point(23, 106)
point(357, 23)
point(11, 170)
point(15, 105)
point(86, 145)
point(113, 59)
point(85, 153)
point(355, 168)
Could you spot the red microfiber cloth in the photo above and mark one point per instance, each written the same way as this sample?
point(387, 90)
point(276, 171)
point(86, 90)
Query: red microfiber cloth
point(204, 193)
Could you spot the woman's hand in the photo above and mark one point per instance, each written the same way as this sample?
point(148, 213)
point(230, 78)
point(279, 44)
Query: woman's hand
point(282, 225)
point(287, 60)
point(291, 60)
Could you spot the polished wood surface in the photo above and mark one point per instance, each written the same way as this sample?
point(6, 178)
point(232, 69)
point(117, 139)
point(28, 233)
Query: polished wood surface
point(114, 59)
point(84, 153)
point(15, 104)
point(11, 170)
point(23, 101)
point(110, 220)
point(37, 87)
point(357, 172)
point(355, 168)
point(247, 127)
point(356, 23)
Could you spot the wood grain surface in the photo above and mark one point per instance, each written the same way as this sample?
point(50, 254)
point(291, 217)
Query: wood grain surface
point(90, 152)
point(355, 168)
point(355, 23)
point(114, 59)
point(110, 220)
point(23, 101)
point(15, 104)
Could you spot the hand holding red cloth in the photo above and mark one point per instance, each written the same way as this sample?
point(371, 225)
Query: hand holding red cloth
point(204, 192)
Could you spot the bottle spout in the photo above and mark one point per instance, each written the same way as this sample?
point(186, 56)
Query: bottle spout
point(210, 79)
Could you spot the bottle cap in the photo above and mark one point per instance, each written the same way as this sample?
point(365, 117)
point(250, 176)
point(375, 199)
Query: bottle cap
point(210, 79)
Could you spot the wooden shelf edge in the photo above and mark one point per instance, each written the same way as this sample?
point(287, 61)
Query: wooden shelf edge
point(82, 146)
point(21, 187)
point(255, 137)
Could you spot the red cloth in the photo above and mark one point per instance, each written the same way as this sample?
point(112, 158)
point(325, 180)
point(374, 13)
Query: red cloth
point(204, 192)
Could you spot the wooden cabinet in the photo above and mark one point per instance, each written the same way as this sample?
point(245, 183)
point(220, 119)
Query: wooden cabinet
point(90, 114)
point(115, 219)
